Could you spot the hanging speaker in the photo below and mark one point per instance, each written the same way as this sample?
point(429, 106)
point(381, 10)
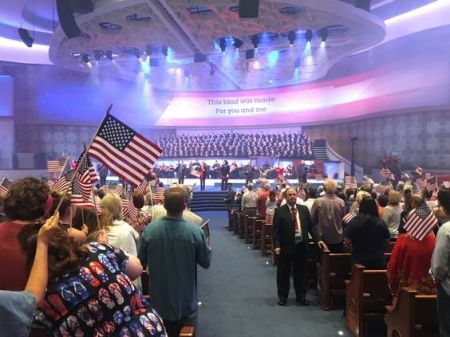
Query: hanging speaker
point(25, 36)
point(248, 8)
point(66, 19)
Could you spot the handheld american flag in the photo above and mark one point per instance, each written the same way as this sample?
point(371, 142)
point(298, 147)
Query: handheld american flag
point(56, 166)
point(432, 184)
point(5, 185)
point(84, 175)
point(60, 185)
point(350, 182)
point(387, 174)
point(125, 152)
point(421, 183)
point(420, 222)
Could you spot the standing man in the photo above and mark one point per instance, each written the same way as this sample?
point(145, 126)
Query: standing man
point(103, 173)
point(291, 225)
point(224, 172)
point(440, 266)
point(327, 213)
point(171, 248)
point(203, 173)
point(181, 172)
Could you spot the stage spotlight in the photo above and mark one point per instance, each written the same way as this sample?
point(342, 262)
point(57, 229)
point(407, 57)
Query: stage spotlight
point(109, 55)
point(85, 58)
point(308, 35)
point(222, 44)
point(164, 50)
point(98, 55)
point(323, 33)
point(237, 43)
point(26, 38)
point(291, 37)
point(255, 41)
point(249, 54)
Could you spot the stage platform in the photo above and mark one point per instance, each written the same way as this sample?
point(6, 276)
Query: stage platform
point(214, 184)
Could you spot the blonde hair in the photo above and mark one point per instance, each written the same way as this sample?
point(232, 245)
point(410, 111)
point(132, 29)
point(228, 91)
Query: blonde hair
point(360, 196)
point(112, 203)
point(330, 186)
point(394, 198)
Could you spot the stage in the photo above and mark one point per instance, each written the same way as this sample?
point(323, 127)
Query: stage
point(214, 184)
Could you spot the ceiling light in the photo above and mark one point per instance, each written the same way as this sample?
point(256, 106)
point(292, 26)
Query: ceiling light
point(255, 41)
point(85, 58)
point(308, 35)
point(291, 37)
point(222, 44)
point(323, 33)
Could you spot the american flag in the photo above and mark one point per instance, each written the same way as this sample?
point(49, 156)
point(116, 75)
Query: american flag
point(56, 165)
point(60, 185)
point(142, 187)
point(346, 219)
point(5, 185)
point(118, 190)
point(387, 174)
point(420, 171)
point(125, 152)
point(132, 211)
point(350, 182)
point(84, 176)
point(77, 198)
point(420, 222)
point(432, 184)
point(381, 189)
point(421, 183)
point(158, 196)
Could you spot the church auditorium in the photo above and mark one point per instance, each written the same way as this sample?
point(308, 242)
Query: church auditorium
point(187, 168)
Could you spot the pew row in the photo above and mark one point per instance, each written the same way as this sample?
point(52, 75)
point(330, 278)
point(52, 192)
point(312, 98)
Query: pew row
point(412, 315)
point(366, 294)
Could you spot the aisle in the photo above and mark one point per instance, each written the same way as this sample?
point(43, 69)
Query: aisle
point(238, 295)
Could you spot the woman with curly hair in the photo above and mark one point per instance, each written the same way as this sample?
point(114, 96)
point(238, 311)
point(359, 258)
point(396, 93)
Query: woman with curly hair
point(25, 203)
point(90, 290)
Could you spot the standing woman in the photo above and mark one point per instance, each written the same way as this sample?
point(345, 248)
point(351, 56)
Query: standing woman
point(367, 234)
point(89, 291)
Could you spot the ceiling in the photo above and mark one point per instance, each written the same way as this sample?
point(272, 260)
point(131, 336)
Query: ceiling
point(161, 40)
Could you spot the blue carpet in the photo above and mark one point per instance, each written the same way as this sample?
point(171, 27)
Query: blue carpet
point(238, 295)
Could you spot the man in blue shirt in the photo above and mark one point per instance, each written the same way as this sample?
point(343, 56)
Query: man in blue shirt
point(171, 248)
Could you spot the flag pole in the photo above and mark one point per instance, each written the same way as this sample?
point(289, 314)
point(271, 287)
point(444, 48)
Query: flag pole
point(84, 157)
point(64, 167)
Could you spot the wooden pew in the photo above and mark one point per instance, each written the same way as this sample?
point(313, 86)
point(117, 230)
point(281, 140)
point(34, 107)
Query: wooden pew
point(187, 331)
point(248, 212)
point(266, 236)
point(366, 297)
point(412, 315)
point(333, 270)
point(257, 227)
point(239, 220)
